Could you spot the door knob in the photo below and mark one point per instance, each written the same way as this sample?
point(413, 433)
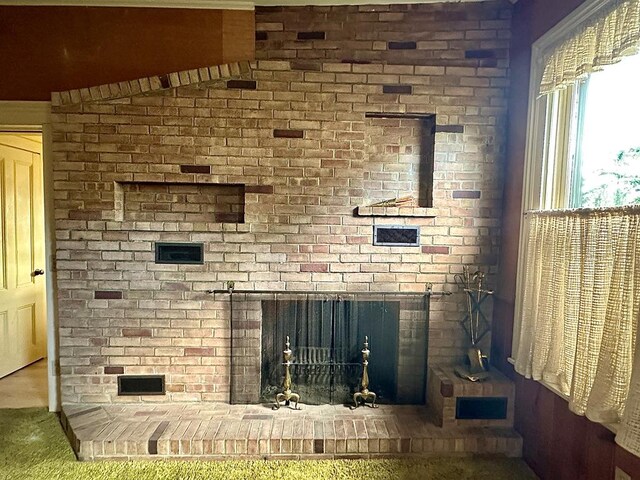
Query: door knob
point(38, 271)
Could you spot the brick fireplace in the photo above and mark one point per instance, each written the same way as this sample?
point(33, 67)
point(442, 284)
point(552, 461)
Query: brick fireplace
point(271, 166)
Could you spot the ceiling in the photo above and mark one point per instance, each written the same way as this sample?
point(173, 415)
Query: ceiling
point(215, 4)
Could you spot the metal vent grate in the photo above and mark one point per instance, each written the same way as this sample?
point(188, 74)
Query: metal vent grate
point(481, 408)
point(141, 385)
point(396, 235)
point(179, 253)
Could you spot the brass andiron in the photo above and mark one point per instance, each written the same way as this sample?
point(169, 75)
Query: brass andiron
point(364, 394)
point(287, 395)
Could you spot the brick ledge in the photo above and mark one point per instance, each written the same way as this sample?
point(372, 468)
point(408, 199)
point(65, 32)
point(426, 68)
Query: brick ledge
point(112, 91)
point(417, 212)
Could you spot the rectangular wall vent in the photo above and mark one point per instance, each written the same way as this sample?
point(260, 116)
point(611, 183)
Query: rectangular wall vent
point(141, 385)
point(179, 253)
point(396, 235)
point(481, 408)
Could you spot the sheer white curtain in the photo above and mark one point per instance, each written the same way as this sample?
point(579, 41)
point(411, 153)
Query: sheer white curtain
point(607, 37)
point(582, 306)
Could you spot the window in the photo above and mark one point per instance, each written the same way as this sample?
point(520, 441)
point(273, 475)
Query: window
point(606, 151)
point(592, 141)
point(578, 286)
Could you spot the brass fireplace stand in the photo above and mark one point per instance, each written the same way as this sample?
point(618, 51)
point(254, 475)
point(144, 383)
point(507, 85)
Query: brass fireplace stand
point(287, 395)
point(364, 394)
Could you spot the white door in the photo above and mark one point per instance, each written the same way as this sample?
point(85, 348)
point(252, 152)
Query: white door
point(22, 285)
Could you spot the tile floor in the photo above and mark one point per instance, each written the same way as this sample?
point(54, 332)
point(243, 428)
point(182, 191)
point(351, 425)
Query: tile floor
point(26, 387)
point(217, 431)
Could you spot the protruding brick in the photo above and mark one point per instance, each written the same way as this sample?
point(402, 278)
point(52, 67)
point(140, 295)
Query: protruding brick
point(435, 250)
point(449, 128)
point(288, 133)
point(241, 84)
point(314, 267)
point(306, 65)
point(114, 370)
point(446, 388)
point(466, 194)
point(107, 295)
point(479, 54)
point(136, 332)
point(357, 62)
point(200, 169)
point(402, 45)
point(406, 89)
point(311, 35)
point(199, 352)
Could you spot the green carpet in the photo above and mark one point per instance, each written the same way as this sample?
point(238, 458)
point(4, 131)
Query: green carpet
point(33, 446)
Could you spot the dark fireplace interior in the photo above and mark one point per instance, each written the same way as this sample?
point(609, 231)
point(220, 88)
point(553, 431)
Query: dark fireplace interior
point(327, 337)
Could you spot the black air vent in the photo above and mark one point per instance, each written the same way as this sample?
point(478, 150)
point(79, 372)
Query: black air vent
point(141, 385)
point(179, 253)
point(481, 408)
point(396, 236)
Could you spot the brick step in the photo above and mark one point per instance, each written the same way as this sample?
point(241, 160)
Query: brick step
point(454, 401)
point(186, 432)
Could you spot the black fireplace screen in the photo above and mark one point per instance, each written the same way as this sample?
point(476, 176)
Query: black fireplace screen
point(326, 339)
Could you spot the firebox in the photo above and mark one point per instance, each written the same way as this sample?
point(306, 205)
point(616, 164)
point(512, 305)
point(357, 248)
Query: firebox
point(326, 339)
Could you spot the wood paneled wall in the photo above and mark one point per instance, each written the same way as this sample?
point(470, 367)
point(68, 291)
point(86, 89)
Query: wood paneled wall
point(558, 445)
point(45, 49)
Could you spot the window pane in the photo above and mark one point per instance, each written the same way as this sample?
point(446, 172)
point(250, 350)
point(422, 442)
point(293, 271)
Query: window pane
point(607, 148)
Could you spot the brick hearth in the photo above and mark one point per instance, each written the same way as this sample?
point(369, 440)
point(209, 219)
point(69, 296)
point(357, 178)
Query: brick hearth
point(220, 431)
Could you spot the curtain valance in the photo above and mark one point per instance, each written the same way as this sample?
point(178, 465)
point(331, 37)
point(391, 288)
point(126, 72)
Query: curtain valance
point(603, 40)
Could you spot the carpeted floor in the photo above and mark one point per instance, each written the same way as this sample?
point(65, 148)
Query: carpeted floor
point(33, 446)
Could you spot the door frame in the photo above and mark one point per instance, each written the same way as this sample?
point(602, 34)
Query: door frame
point(25, 116)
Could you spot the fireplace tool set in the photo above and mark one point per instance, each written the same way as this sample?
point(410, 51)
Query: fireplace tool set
point(475, 324)
point(361, 397)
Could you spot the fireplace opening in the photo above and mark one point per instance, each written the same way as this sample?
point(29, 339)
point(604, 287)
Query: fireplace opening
point(327, 336)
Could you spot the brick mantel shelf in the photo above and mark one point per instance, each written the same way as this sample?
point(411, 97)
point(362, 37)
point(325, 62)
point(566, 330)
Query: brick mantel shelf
point(416, 212)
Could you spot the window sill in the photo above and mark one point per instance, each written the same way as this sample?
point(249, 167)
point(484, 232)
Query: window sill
point(416, 212)
point(613, 427)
